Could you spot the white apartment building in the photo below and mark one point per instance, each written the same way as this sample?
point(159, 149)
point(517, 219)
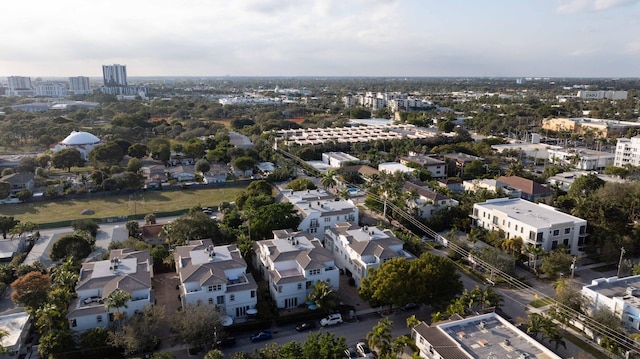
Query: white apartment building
point(51, 89)
point(79, 85)
point(627, 152)
point(357, 250)
point(215, 275)
point(319, 210)
point(436, 167)
point(338, 159)
point(427, 201)
point(481, 336)
point(581, 158)
point(536, 223)
point(19, 86)
point(127, 270)
point(620, 295)
point(292, 262)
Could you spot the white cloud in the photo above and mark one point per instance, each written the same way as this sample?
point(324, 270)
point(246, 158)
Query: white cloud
point(577, 6)
point(632, 47)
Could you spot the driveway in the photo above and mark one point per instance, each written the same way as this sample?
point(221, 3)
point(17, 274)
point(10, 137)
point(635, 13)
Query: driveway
point(164, 288)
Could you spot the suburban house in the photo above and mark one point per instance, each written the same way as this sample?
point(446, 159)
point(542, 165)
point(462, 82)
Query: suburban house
point(536, 223)
point(482, 336)
point(425, 201)
point(619, 295)
point(458, 161)
point(365, 172)
point(182, 173)
point(319, 210)
point(292, 262)
point(154, 176)
point(215, 275)
point(529, 190)
point(489, 185)
point(357, 250)
point(217, 173)
point(19, 181)
point(436, 167)
point(151, 233)
point(126, 270)
point(564, 180)
point(9, 247)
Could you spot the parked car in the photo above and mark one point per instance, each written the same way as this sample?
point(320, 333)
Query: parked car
point(364, 350)
point(331, 319)
point(260, 336)
point(226, 342)
point(410, 306)
point(305, 326)
point(350, 353)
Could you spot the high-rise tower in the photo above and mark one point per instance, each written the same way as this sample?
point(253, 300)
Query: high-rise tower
point(114, 75)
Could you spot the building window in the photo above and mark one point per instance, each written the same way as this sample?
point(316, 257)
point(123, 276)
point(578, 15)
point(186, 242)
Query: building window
point(74, 323)
point(210, 300)
point(567, 230)
point(327, 219)
point(516, 227)
point(299, 285)
point(220, 299)
point(212, 288)
point(554, 245)
point(556, 232)
point(495, 220)
point(99, 319)
point(309, 284)
point(314, 272)
point(232, 297)
point(253, 294)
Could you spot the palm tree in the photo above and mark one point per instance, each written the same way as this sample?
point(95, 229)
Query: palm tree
point(533, 252)
point(3, 350)
point(412, 321)
point(437, 317)
point(380, 337)
point(514, 169)
point(489, 298)
point(344, 193)
point(323, 296)
point(117, 299)
point(401, 342)
point(534, 326)
point(328, 181)
point(558, 339)
point(49, 317)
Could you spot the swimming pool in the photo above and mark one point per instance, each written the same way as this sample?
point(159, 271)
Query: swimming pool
point(352, 191)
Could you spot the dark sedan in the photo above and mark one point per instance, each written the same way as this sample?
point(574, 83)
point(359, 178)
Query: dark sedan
point(302, 327)
point(260, 336)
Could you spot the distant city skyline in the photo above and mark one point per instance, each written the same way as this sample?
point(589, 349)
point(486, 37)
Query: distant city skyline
point(351, 38)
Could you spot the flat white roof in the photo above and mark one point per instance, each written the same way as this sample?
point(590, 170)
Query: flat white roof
point(12, 325)
point(393, 167)
point(105, 268)
point(201, 256)
point(537, 215)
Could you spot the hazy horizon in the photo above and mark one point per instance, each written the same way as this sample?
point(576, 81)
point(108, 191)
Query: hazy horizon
point(324, 38)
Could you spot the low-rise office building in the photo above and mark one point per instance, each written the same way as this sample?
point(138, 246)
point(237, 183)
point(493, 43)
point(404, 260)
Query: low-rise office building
point(483, 336)
point(536, 223)
point(621, 296)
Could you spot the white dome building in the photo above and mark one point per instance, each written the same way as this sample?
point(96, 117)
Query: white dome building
point(81, 141)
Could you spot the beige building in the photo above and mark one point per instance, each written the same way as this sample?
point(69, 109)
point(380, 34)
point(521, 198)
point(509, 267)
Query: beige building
point(582, 125)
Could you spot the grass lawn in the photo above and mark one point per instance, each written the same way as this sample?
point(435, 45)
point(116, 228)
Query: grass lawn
point(147, 202)
point(538, 303)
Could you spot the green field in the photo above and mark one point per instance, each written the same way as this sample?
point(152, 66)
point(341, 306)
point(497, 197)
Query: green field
point(122, 205)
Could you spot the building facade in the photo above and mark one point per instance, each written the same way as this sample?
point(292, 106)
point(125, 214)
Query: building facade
point(126, 270)
point(51, 89)
point(537, 224)
point(358, 250)
point(292, 262)
point(627, 152)
point(79, 85)
point(425, 201)
point(437, 168)
point(114, 75)
point(619, 295)
point(319, 210)
point(215, 275)
point(19, 86)
point(482, 336)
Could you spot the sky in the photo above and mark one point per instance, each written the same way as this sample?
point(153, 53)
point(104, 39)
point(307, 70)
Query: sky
point(480, 38)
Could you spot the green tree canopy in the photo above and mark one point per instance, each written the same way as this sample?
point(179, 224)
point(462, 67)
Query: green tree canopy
point(194, 325)
point(138, 150)
point(67, 158)
point(433, 280)
point(301, 184)
point(31, 290)
point(109, 153)
point(196, 225)
point(267, 218)
point(74, 245)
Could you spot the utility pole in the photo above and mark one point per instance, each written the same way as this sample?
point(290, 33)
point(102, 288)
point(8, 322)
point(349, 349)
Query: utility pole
point(620, 262)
